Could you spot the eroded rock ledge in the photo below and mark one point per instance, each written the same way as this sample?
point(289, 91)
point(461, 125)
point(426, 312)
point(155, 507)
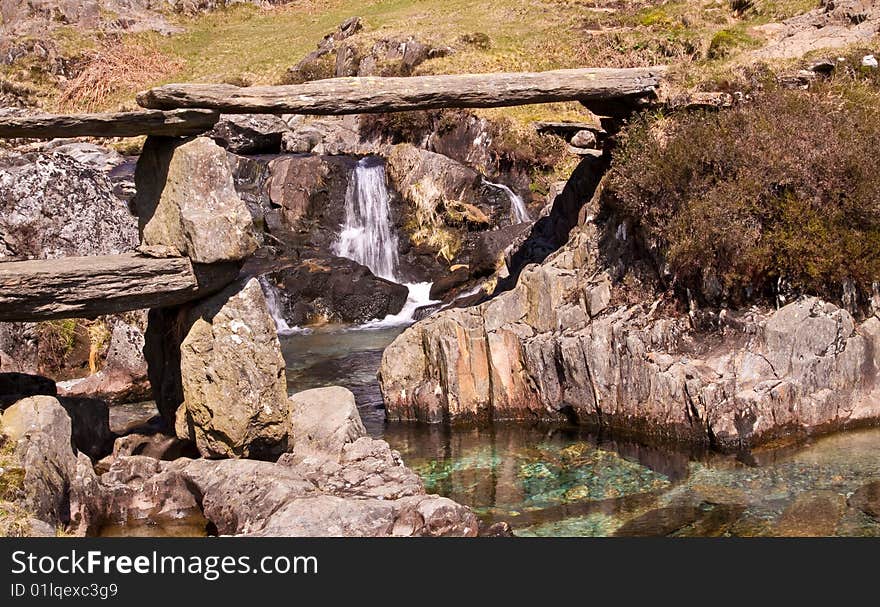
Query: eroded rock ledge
point(573, 342)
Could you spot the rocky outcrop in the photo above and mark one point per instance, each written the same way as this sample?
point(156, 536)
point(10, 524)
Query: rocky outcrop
point(186, 201)
point(395, 56)
point(335, 289)
point(429, 181)
point(571, 341)
point(123, 377)
point(218, 375)
point(321, 63)
point(336, 482)
point(835, 24)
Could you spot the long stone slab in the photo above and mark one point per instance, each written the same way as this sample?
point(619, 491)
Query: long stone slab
point(358, 95)
point(120, 124)
point(73, 287)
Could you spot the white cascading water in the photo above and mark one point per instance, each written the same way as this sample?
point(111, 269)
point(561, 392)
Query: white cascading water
point(518, 210)
point(368, 237)
point(270, 292)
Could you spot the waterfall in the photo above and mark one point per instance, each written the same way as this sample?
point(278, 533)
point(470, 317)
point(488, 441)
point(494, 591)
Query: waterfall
point(518, 210)
point(270, 292)
point(367, 236)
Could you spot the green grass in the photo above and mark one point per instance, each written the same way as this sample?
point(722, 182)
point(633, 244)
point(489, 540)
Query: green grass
point(248, 44)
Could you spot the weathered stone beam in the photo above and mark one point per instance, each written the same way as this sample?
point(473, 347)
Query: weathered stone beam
point(73, 287)
point(378, 94)
point(120, 124)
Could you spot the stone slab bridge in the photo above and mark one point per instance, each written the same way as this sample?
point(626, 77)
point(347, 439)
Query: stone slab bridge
point(171, 275)
point(196, 232)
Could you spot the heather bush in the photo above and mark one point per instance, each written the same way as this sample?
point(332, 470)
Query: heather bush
point(784, 189)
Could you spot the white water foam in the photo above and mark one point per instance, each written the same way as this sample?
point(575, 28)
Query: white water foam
point(419, 296)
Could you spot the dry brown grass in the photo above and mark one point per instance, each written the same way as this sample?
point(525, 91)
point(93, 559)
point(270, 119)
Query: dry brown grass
point(114, 69)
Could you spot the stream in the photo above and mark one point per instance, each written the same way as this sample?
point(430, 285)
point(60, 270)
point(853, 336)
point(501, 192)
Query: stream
point(566, 481)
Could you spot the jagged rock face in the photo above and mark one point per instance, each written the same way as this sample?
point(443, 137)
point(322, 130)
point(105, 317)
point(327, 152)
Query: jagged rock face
point(186, 200)
point(297, 199)
point(52, 205)
point(556, 347)
point(427, 179)
point(40, 431)
point(232, 378)
point(338, 290)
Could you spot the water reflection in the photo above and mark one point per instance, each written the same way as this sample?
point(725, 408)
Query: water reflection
point(340, 356)
point(568, 481)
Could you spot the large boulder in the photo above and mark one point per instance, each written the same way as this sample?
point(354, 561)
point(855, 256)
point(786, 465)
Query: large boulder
point(336, 289)
point(38, 430)
point(186, 201)
point(324, 420)
point(217, 371)
point(52, 205)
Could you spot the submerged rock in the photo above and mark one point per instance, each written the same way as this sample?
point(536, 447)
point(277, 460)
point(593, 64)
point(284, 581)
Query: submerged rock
point(811, 514)
point(867, 499)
